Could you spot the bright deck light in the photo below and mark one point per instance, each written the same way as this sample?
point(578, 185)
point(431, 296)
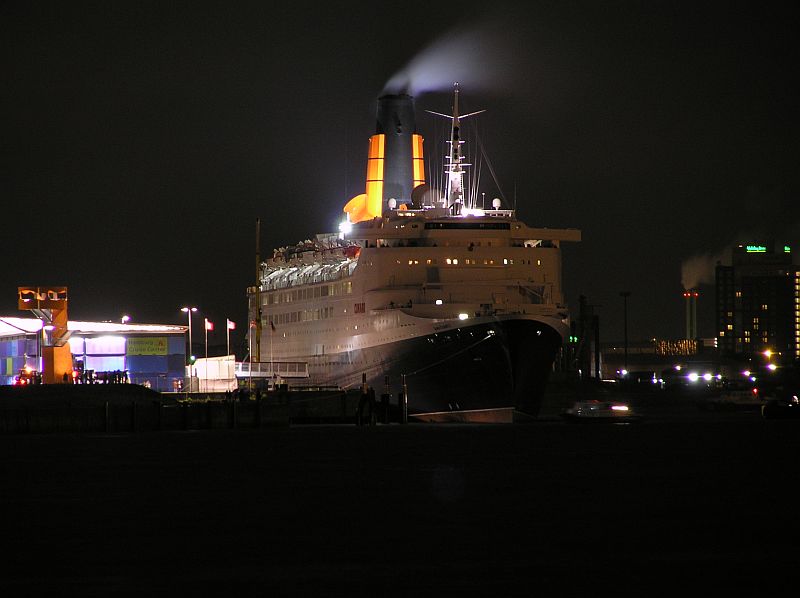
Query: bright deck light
point(463, 316)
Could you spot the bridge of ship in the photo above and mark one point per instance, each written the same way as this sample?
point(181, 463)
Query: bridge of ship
point(270, 369)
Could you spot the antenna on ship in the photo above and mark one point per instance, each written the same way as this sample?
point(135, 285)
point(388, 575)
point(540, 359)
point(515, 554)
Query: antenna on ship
point(515, 197)
point(455, 160)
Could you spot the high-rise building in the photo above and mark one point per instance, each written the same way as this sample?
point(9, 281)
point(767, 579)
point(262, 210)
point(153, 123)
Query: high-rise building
point(758, 302)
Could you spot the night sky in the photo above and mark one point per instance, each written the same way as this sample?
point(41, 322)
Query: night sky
point(141, 140)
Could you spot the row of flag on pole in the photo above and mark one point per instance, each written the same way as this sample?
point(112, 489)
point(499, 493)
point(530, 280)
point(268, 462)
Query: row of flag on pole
point(232, 325)
point(210, 324)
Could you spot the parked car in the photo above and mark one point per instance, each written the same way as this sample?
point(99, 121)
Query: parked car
point(782, 403)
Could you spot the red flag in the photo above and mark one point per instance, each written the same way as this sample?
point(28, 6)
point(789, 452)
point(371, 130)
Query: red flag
point(209, 325)
point(231, 325)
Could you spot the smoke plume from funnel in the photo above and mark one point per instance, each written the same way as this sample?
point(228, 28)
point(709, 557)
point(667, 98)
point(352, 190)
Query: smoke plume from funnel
point(478, 56)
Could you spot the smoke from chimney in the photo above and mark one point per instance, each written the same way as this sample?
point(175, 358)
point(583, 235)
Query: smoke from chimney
point(700, 269)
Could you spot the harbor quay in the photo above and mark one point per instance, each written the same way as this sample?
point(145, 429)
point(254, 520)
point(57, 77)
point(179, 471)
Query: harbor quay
point(701, 502)
point(132, 408)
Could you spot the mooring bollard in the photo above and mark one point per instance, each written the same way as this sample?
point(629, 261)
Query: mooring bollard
point(385, 407)
point(404, 402)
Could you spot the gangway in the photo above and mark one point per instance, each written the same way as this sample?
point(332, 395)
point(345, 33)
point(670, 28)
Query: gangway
point(270, 369)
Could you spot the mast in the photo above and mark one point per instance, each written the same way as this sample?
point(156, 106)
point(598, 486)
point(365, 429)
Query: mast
point(455, 172)
point(257, 310)
point(455, 160)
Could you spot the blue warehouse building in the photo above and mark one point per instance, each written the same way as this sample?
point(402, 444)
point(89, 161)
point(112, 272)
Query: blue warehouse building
point(153, 355)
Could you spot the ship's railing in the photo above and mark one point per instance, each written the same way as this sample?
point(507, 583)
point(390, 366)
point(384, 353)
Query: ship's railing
point(267, 369)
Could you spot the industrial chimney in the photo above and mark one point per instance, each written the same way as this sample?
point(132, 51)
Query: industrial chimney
point(691, 313)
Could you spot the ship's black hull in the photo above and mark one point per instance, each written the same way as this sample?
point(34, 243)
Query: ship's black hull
point(497, 364)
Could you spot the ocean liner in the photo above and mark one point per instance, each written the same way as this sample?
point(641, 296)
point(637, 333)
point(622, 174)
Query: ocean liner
point(462, 303)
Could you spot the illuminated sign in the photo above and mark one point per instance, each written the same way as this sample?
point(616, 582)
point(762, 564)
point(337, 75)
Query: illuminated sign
point(787, 249)
point(149, 345)
point(756, 249)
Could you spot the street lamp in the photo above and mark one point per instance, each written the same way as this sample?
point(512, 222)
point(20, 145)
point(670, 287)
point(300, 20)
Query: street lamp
point(126, 319)
point(188, 311)
point(625, 295)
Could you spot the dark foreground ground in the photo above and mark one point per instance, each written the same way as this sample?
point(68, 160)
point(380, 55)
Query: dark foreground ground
point(680, 503)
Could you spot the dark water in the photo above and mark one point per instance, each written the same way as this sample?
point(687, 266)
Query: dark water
point(684, 501)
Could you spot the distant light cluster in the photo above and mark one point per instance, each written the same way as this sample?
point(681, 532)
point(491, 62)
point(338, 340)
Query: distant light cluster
point(676, 347)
